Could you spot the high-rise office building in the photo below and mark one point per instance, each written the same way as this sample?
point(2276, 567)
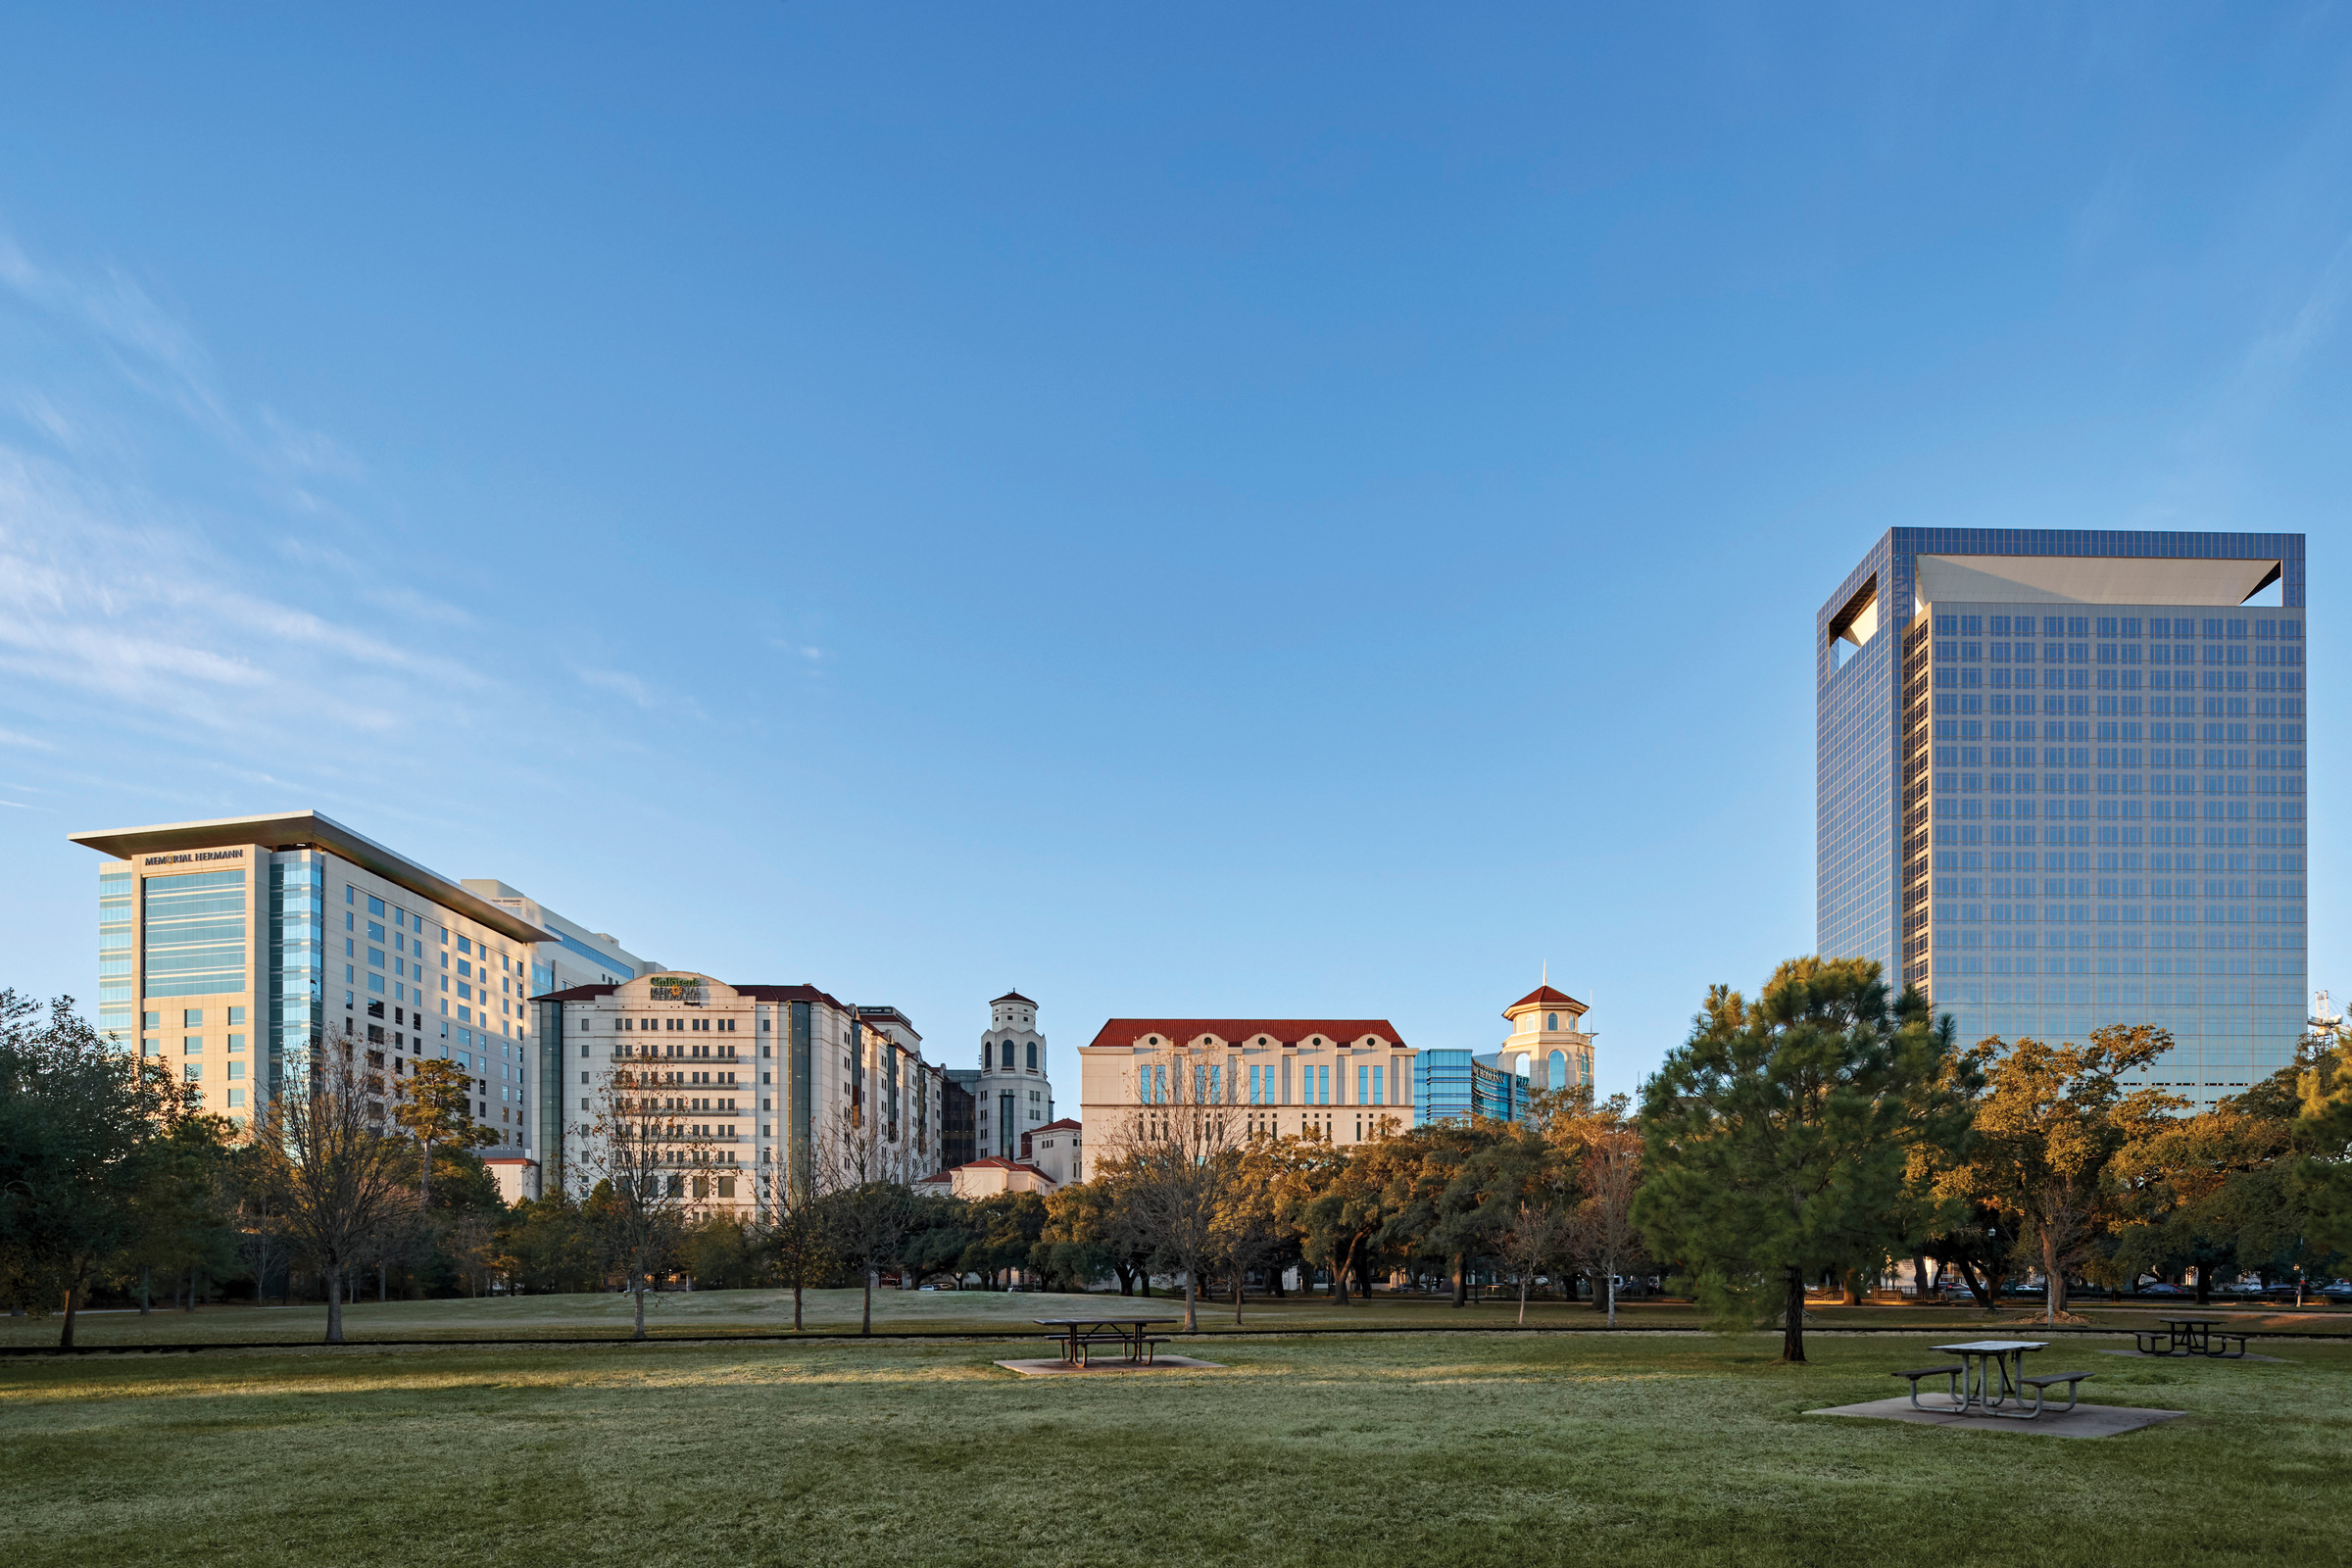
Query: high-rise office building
point(233, 949)
point(2061, 785)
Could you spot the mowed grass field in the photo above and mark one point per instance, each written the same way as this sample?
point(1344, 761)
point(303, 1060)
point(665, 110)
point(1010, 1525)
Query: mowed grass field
point(683, 1314)
point(1582, 1450)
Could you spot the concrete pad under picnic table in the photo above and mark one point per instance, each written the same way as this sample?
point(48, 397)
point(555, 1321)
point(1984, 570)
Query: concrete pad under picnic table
point(2142, 1355)
point(1056, 1367)
point(2083, 1421)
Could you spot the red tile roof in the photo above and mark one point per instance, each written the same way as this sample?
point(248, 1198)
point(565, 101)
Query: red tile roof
point(1058, 1126)
point(1545, 996)
point(1235, 1031)
point(999, 1162)
point(1015, 996)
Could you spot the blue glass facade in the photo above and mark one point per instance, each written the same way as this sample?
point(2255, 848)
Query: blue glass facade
point(2059, 792)
point(1460, 1085)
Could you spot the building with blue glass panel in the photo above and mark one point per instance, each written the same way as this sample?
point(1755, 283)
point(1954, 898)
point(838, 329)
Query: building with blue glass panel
point(1461, 1084)
point(2061, 786)
point(235, 949)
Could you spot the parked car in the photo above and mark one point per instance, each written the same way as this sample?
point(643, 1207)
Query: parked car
point(2162, 1288)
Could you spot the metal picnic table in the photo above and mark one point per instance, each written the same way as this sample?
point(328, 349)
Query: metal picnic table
point(1984, 1381)
point(1129, 1331)
point(2188, 1335)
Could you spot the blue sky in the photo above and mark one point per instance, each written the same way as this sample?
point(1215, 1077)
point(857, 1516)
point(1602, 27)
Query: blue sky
point(1315, 513)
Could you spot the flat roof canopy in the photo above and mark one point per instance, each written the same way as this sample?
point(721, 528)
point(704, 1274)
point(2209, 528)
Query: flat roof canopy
point(309, 830)
point(2089, 581)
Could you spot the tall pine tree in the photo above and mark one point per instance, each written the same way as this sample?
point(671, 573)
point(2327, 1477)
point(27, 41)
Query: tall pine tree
point(1778, 1137)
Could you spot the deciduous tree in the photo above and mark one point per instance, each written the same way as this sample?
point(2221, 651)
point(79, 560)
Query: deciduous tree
point(1175, 1161)
point(336, 1181)
point(86, 1134)
point(2049, 1123)
point(1603, 1145)
point(631, 1176)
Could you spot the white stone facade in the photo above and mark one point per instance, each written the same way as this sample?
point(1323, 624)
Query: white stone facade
point(1015, 1093)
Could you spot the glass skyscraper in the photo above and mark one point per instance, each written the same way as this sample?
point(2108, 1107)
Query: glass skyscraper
point(2061, 785)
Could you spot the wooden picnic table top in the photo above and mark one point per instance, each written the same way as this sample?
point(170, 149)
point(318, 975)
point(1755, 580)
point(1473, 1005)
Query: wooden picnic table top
point(1119, 1317)
point(1994, 1346)
point(2193, 1320)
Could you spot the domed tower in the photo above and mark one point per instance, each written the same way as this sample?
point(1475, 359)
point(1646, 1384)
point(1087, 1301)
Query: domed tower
point(1548, 1044)
point(1015, 1093)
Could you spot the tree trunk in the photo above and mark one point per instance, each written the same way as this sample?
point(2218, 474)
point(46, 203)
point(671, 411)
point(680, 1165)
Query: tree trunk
point(1849, 1287)
point(1793, 1313)
point(1609, 1285)
point(2204, 1286)
point(383, 1272)
point(1461, 1279)
point(1918, 1279)
point(637, 1290)
point(65, 1341)
point(2053, 1294)
point(866, 1324)
point(1526, 1277)
point(146, 1287)
point(334, 1306)
point(1191, 1322)
point(424, 1185)
point(1237, 1298)
point(1338, 1278)
point(795, 1306)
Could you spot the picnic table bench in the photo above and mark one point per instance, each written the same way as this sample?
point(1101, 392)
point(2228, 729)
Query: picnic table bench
point(1081, 1337)
point(2188, 1335)
point(1990, 1374)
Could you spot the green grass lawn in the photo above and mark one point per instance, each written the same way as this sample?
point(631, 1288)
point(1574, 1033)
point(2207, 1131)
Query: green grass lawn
point(1585, 1450)
point(719, 1312)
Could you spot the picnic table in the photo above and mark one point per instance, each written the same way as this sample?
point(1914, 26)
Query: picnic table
point(2188, 1335)
point(1992, 1375)
point(1131, 1331)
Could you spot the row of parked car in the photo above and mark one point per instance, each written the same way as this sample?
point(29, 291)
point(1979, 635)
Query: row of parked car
point(2339, 1291)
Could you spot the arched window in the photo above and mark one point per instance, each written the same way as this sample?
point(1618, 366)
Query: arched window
point(1008, 1055)
point(1557, 1073)
point(1551, 1020)
point(1033, 1056)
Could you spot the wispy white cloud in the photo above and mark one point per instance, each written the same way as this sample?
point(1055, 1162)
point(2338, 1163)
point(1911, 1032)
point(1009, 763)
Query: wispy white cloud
point(621, 682)
point(2311, 322)
point(116, 597)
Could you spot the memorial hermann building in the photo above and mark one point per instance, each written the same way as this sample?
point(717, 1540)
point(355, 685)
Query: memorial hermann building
point(231, 947)
point(2061, 785)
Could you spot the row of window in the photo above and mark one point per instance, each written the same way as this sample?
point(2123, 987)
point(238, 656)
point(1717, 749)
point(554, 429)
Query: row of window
point(1269, 1084)
point(191, 1017)
point(2118, 708)
point(1972, 964)
point(2184, 627)
point(2004, 937)
point(2230, 914)
point(2116, 843)
point(2127, 757)
point(2270, 783)
point(1969, 808)
point(2118, 680)
point(2163, 887)
point(2114, 654)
